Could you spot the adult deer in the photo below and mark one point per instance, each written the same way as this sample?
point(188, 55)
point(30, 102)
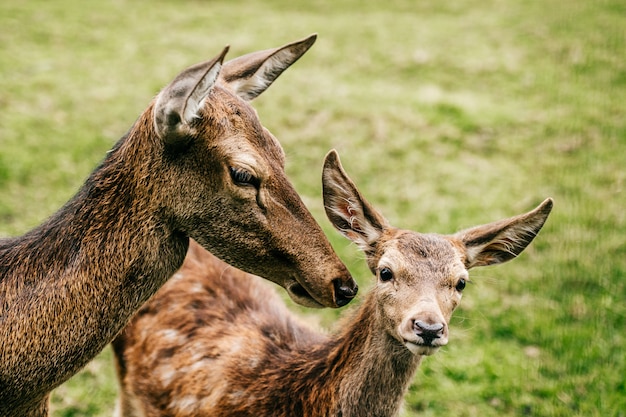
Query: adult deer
point(197, 163)
point(206, 345)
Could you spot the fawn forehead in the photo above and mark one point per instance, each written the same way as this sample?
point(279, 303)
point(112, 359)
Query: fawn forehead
point(242, 137)
point(422, 257)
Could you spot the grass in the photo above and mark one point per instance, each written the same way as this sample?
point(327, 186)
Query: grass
point(446, 114)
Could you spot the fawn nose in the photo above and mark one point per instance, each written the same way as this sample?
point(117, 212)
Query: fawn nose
point(428, 332)
point(344, 291)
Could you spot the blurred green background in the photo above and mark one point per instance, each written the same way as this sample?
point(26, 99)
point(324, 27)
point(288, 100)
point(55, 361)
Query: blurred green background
point(446, 115)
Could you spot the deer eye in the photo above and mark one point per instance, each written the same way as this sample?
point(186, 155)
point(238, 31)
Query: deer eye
point(460, 286)
point(243, 177)
point(385, 274)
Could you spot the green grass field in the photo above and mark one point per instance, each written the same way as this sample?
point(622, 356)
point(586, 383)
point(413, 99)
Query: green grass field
point(446, 114)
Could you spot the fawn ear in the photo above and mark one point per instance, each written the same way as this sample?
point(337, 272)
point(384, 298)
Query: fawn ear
point(179, 103)
point(502, 241)
point(346, 208)
point(249, 75)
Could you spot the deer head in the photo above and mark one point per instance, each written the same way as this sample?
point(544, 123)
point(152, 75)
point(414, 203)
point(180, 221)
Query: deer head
point(231, 169)
point(420, 277)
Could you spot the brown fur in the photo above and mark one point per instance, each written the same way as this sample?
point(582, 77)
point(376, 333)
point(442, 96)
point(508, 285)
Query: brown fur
point(68, 286)
point(218, 342)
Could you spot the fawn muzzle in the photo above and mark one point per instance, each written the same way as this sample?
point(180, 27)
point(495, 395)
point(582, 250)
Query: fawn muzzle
point(429, 332)
point(424, 332)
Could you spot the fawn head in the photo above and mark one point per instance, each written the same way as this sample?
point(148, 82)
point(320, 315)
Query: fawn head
point(420, 277)
point(227, 187)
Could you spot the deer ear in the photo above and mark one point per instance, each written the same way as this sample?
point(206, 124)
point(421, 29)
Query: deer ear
point(250, 75)
point(347, 209)
point(180, 102)
point(503, 240)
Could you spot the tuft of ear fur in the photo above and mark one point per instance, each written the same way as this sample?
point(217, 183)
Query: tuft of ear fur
point(178, 104)
point(347, 209)
point(250, 75)
point(504, 240)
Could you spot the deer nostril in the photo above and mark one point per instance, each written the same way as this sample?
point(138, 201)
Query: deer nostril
point(428, 332)
point(344, 292)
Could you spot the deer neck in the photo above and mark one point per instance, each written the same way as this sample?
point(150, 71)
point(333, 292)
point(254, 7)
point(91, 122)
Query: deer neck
point(377, 368)
point(89, 267)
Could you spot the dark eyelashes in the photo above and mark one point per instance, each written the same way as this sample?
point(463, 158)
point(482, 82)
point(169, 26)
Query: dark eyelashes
point(243, 177)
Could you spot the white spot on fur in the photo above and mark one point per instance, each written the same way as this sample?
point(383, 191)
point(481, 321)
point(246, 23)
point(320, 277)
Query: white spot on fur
point(177, 276)
point(185, 405)
point(172, 336)
point(199, 366)
point(195, 288)
point(236, 345)
point(166, 373)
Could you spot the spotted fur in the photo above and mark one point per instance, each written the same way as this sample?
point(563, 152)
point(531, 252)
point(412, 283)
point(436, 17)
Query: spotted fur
point(218, 342)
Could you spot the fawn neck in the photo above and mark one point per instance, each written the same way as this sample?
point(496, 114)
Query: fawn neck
point(361, 371)
point(377, 368)
point(77, 275)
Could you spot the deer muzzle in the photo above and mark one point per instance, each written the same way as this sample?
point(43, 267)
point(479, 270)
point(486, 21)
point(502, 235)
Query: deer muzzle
point(345, 290)
point(424, 333)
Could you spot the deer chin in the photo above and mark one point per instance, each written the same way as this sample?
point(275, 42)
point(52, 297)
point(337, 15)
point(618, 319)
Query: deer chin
point(300, 295)
point(420, 349)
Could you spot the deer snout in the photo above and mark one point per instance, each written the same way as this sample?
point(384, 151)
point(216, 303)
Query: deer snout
point(424, 334)
point(345, 290)
point(429, 332)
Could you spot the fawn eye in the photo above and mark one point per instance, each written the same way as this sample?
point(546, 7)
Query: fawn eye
point(385, 274)
point(243, 177)
point(460, 286)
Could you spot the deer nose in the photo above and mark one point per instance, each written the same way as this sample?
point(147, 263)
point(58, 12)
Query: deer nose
point(428, 332)
point(344, 291)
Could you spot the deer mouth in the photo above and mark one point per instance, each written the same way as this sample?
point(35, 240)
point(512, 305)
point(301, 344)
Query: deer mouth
point(301, 296)
point(421, 348)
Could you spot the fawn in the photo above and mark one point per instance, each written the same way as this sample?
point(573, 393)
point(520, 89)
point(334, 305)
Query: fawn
point(218, 342)
point(196, 164)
